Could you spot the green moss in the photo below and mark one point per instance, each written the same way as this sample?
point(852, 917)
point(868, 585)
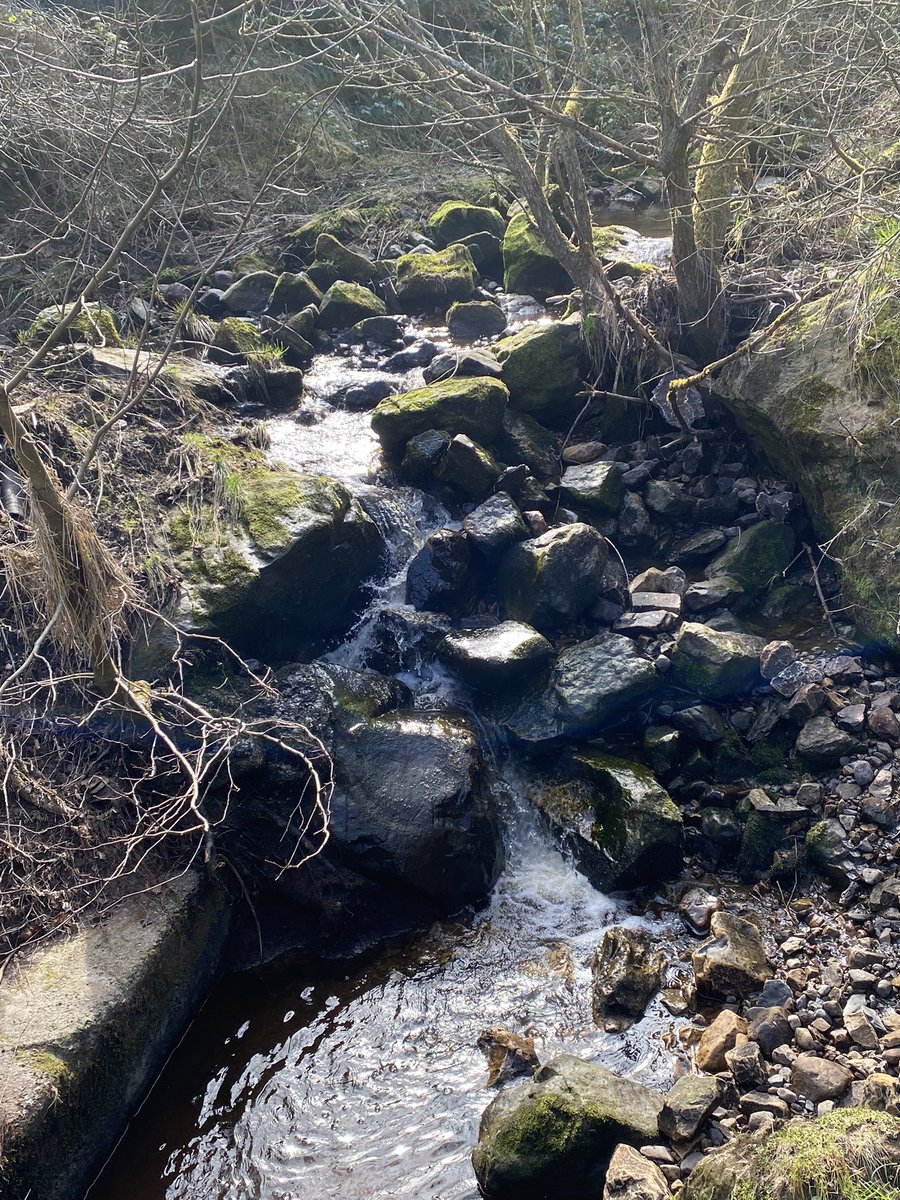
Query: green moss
point(47, 1063)
point(542, 367)
point(429, 283)
point(762, 837)
point(94, 324)
point(528, 266)
point(342, 223)
point(249, 264)
point(764, 761)
point(346, 303)
point(455, 219)
point(473, 406)
point(348, 264)
point(549, 1127)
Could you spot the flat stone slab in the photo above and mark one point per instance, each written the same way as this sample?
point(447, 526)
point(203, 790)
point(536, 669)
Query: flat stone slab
point(86, 1022)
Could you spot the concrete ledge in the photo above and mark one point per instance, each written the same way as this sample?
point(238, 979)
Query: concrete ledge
point(85, 1024)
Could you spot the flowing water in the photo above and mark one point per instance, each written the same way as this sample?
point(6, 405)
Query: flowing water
point(368, 1083)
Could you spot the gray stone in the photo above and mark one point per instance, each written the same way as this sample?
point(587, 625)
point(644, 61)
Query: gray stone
point(714, 664)
point(631, 1176)
point(495, 525)
point(597, 487)
point(461, 363)
point(498, 657)
point(822, 744)
point(818, 1078)
point(687, 1106)
point(626, 971)
point(555, 576)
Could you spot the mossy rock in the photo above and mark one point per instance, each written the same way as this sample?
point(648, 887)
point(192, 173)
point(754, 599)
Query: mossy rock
point(346, 263)
point(293, 292)
point(95, 324)
point(846, 1154)
point(757, 557)
point(430, 283)
point(343, 223)
point(285, 563)
point(250, 264)
point(455, 220)
point(555, 1134)
point(473, 406)
point(346, 303)
point(236, 340)
point(469, 320)
point(249, 294)
point(714, 664)
point(542, 367)
point(824, 407)
point(528, 266)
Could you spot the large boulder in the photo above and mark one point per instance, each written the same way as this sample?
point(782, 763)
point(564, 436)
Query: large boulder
point(844, 1153)
point(542, 367)
point(429, 283)
point(473, 406)
point(347, 303)
point(293, 292)
point(345, 263)
point(290, 566)
point(498, 657)
point(822, 404)
point(473, 319)
point(411, 806)
point(732, 962)
point(757, 557)
point(528, 266)
point(714, 664)
point(455, 219)
point(250, 293)
point(554, 1135)
point(554, 577)
point(621, 826)
point(94, 323)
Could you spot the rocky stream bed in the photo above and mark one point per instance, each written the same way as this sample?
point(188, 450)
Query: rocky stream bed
point(611, 877)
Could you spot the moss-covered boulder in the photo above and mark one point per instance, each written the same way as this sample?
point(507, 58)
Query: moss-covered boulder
point(616, 819)
point(347, 303)
point(293, 292)
point(554, 1135)
point(712, 663)
point(94, 324)
point(236, 340)
point(343, 223)
point(429, 283)
point(555, 576)
point(346, 263)
point(528, 266)
point(822, 401)
point(286, 562)
point(455, 220)
point(472, 319)
point(542, 367)
point(756, 557)
point(847, 1154)
point(473, 406)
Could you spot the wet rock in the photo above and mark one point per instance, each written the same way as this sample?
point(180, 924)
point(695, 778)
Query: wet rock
point(720, 1036)
point(383, 331)
point(293, 568)
point(696, 907)
point(403, 638)
point(619, 823)
point(419, 354)
point(542, 367)
point(733, 961)
point(746, 1065)
point(439, 576)
point(364, 396)
point(818, 1078)
point(712, 593)
point(631, 1176)
point(666, 499)
point(712, 663)
point(522, 440)
point(650, 623)
point(626, 972)
point(430, 283)
point(671, 581)
point(555, 1135)
point(455, 363)
point(701, 722)
point(597, 487)
point(509, 1055)
point(471, 406)
point(757, 557)
point(662, 748)
point(411, 805)
point(687, 1106)
point(821, 744)
point(468, 468)
point(634, 521)
point(769, 1028)
point(423, 454)
point(697, 548)
point(775, 657)
point(475, 319)
point(595, 680)
point(498, 657)
point(554, 577)
point(495, 525)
